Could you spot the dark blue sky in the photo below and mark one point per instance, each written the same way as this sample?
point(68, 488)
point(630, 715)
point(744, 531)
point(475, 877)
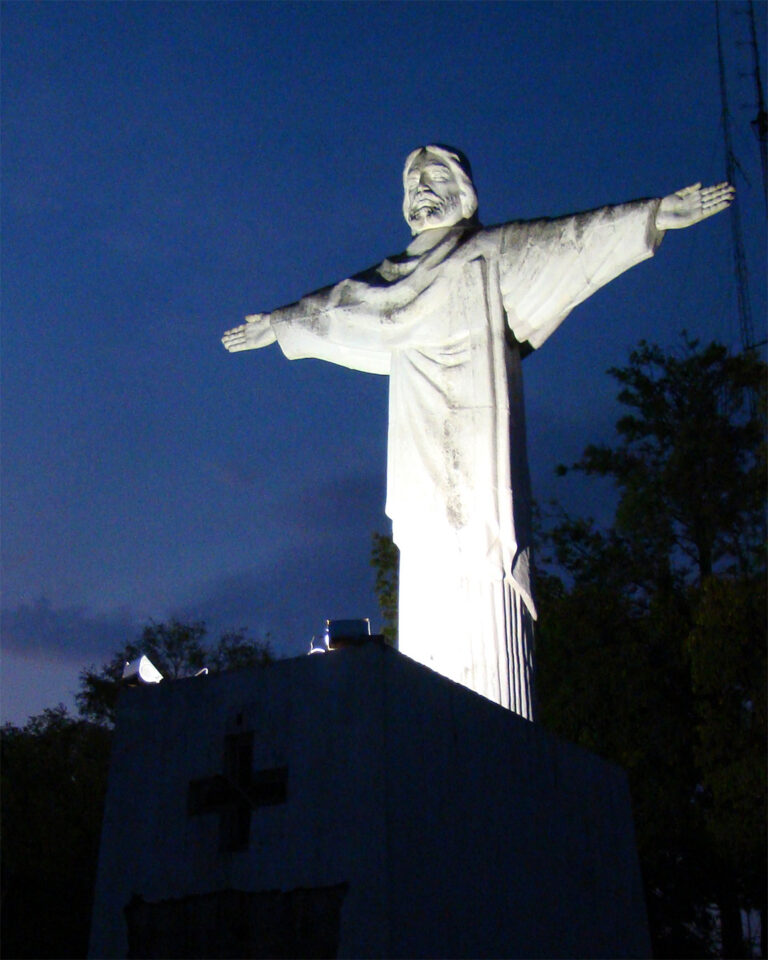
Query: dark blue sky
point(168, 168)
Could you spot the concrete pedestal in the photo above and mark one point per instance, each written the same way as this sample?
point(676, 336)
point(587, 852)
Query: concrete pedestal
point(355, 804)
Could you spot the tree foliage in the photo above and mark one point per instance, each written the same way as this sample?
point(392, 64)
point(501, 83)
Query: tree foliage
point(690, 463)
point(177, 650)
point(651, 646)
point(54, 774)
point(385, 557)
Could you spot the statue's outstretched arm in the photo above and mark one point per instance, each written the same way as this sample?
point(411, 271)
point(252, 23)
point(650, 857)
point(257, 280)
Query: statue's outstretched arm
point(692, 204)
point(254, 333)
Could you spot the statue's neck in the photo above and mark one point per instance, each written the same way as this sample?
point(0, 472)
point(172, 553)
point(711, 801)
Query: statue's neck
point(427, 240)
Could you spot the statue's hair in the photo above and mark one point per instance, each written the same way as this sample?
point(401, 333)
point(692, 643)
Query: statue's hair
point(459, 166)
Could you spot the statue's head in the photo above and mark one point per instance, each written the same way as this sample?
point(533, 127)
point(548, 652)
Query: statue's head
point(438, 189)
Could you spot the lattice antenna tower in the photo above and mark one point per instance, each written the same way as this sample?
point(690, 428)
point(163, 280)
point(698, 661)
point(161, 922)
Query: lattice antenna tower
point(760, 123)
point(746, 327)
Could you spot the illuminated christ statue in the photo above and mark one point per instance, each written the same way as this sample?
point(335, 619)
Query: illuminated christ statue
point(449, 320)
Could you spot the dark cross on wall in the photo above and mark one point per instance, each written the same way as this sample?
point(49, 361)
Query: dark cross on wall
point(237, 791)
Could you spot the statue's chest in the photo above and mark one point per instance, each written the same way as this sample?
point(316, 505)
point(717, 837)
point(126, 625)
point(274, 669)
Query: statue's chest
point(447, 364)
point(452, 308)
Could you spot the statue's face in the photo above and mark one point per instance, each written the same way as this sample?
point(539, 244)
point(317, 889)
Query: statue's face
point(433, 196)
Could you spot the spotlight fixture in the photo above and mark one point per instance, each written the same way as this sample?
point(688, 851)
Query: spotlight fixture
point(319, 645)
point(141, 671)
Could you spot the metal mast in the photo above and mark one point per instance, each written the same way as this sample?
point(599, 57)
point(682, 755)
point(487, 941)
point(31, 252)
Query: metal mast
point(746, 327)
point(760, 123)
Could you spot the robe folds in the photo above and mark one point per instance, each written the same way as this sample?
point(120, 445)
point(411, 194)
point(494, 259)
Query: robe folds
point(450, 327)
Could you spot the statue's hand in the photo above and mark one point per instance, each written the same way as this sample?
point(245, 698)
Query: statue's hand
point(254, 333)
point(691, 204)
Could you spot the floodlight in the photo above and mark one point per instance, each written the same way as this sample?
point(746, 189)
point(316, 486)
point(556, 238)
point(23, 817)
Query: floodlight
point(319, 646)
point(141, 671)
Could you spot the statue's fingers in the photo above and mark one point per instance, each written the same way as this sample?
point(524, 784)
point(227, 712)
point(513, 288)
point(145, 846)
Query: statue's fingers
point(717, 202)
point(236, 332)
point(710, 211)
point(720, 194)
point(687, 191)
point(719, 188)
point(717, 207)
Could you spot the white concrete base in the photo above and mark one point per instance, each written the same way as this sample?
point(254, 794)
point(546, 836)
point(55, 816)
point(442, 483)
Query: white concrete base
point(406, 817)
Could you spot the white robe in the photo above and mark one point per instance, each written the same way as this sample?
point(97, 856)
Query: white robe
point(449, 328)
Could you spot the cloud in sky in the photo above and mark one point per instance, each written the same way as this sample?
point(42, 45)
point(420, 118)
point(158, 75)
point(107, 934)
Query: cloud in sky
point(286, 592)
point(40, 630)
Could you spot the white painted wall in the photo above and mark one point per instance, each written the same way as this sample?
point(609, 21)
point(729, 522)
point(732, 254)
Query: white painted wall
point(462, 829)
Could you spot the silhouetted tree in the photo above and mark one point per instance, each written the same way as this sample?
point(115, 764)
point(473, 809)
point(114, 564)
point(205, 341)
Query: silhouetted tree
point(690, 462)
point(651, 644)
point(177, 650)
point(728, 676)
point(53, 774)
